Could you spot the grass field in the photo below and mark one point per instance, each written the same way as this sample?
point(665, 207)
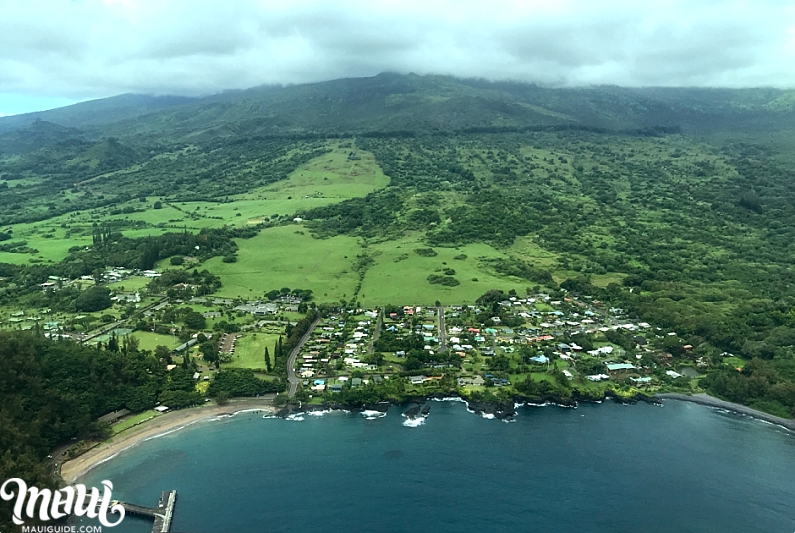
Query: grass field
point(149, 341)
point(324, 180)
point(400, 275)
point(280, 257)
point(135, 283)
point(134, 420)
point(250, 350)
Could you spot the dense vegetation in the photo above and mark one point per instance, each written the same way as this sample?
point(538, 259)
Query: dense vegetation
point(677, 205)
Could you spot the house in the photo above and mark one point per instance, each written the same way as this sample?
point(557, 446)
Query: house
point(417, 380)
point(620, 367)
point(356, 382)
point(336, 387)
point(161, 408)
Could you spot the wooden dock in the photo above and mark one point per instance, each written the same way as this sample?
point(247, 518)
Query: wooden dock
point(161, 515)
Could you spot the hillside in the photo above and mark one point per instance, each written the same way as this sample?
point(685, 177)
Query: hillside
point(675, 204)
point(391, 102)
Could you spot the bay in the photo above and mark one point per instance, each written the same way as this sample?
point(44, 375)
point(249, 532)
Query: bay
point(597, 468)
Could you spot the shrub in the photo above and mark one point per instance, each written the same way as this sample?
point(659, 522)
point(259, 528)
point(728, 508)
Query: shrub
point(443, 280)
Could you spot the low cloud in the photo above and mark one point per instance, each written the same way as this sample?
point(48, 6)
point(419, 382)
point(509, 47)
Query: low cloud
point(90, 48)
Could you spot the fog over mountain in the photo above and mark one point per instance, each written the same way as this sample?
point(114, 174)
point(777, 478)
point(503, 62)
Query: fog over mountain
point(93, 48)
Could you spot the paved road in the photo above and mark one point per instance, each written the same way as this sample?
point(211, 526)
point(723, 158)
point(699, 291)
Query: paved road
point(291, 377)
point(442, 330)
point(110, 327)
point(374, 337)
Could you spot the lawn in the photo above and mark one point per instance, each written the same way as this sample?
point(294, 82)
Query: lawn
point(149, 341)
point(134, 420)
point(250, 350)
point(135, 283)
point(287, 256)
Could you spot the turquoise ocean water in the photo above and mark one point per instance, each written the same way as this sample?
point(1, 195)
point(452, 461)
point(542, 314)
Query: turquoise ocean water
point(599, 468)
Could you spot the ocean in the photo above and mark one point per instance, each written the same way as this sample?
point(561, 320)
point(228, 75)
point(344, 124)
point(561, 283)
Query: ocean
point(608, 468)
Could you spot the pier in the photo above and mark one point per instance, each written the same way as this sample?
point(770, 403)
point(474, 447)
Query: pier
point(162, 514)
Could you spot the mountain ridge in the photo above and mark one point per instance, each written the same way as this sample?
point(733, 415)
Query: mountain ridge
point(392, 102)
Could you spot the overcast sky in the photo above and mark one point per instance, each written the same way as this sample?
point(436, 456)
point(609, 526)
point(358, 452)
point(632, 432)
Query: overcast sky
point(54, 52)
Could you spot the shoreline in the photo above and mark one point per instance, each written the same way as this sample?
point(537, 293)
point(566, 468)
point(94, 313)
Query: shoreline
point(711, 401)
point(72, 469)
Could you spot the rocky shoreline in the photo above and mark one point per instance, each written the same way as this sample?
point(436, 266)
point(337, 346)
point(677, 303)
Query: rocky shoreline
point(417, 406)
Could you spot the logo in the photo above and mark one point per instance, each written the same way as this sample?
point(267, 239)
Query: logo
point(60, 503)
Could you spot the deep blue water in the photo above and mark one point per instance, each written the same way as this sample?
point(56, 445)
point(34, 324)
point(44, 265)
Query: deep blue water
point(598, 468)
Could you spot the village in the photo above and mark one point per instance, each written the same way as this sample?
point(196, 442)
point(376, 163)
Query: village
point(495, 344)
point(588, 345)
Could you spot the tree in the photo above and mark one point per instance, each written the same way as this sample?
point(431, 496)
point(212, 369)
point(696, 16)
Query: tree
point(96, 298)
point(209, 352)
point(163, 354)
point(222, 398)
point(158, 205)
point(268, 360)
point(195, 320)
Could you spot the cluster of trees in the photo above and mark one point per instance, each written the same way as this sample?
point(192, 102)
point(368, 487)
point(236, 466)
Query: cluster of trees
point(765, 385)
point(192, 283)
point(243, 382)
point(52, 391)
point(275, 294)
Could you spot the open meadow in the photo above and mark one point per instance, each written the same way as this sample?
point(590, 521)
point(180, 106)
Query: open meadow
point(400, 274)
point(250, 350)
point(287, 256)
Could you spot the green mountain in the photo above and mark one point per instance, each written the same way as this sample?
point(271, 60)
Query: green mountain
point(675, 204)
point(392, 102)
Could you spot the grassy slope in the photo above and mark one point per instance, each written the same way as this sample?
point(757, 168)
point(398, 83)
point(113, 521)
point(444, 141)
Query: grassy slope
point(280, 257)
point(250, 350)
point(396, 280)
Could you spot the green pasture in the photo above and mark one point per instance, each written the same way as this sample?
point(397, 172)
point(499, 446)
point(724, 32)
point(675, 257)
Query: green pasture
point(148, 340)
point(250, 350)
point(400, 275)
point(287, 256)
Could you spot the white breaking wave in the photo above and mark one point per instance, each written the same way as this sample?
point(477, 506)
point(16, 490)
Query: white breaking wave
point(319, 413)
point(413, 422)
point(449, 399)
point(488, 416)
point(372, 415)
point(297, 417)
